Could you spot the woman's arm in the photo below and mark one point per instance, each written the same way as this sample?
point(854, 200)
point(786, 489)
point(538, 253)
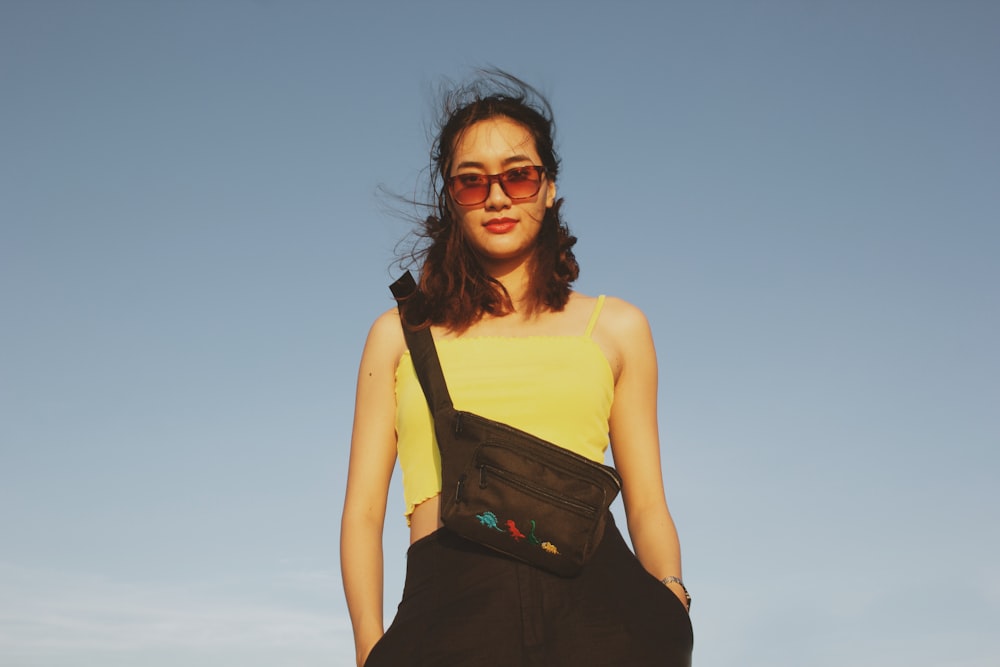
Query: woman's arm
point(373, 455)
point(635, 443)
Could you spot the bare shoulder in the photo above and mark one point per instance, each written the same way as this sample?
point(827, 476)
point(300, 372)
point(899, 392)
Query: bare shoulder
point(387, 325)
point(615, 311)
point(623, 334)
point(385, 342)
point(623, 321)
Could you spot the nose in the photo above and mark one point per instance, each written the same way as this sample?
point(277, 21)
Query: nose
point(497, 198)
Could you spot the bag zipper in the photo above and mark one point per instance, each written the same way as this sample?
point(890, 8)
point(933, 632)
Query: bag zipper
point(604, 470)
point(583, 509)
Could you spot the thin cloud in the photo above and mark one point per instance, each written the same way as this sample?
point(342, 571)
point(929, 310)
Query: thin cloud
point(43, 612)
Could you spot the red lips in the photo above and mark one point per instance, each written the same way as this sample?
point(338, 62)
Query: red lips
point(500, 225)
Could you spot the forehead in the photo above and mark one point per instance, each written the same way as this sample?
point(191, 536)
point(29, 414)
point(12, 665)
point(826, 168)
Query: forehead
point(497, 138)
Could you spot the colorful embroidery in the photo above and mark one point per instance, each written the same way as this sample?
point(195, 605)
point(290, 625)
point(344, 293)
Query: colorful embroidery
point(531, 534)
point(489, 519)
point(514, 532)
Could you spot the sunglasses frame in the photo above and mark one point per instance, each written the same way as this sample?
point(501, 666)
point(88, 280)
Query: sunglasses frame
point(451, 182)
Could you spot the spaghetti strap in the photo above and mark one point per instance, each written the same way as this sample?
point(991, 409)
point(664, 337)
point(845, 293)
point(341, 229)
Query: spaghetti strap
point(594, 316)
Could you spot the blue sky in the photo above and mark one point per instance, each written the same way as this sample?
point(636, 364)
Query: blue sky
point(801, 196)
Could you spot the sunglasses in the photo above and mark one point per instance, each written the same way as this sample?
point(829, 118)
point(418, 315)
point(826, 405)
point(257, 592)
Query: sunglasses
point(517, 183)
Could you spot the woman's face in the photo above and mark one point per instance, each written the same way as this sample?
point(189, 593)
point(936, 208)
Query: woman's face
point(501, 230)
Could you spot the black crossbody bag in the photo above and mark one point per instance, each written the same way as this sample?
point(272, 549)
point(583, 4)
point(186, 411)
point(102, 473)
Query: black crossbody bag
point(505, 488)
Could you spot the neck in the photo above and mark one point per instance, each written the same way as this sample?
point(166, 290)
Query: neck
point(515, 280)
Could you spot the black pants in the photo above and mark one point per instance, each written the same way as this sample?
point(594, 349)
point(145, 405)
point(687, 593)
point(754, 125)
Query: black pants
point(464, 604)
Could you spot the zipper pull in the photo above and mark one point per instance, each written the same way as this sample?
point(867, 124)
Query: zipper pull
point(458, 488)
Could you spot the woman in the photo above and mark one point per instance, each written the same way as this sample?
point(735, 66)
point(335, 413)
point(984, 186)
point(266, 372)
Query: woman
point(517, 345)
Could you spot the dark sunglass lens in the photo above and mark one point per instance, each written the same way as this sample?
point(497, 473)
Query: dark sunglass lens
point(469, 188)
point(470, 194)
point(522, 182)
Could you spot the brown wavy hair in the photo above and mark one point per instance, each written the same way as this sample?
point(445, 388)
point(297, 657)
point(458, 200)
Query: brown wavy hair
point(454, 289)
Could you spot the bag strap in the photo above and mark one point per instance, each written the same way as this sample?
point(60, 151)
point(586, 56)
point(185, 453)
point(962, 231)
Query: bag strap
point(424, 354)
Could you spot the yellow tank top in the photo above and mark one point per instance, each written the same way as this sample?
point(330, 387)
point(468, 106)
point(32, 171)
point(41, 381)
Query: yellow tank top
point(559, 388)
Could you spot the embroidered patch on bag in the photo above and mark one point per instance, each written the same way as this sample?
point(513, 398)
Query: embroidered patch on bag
point(551, 548)
point(514, 532)
point(490, 520)
point(531, 534)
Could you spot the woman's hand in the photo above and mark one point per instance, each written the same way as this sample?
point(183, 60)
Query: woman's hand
point(681, 594)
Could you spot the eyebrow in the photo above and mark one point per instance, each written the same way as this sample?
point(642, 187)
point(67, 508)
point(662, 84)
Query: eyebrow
point(506, 161)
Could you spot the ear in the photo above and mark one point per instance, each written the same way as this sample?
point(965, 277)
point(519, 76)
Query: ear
point(550, 195)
